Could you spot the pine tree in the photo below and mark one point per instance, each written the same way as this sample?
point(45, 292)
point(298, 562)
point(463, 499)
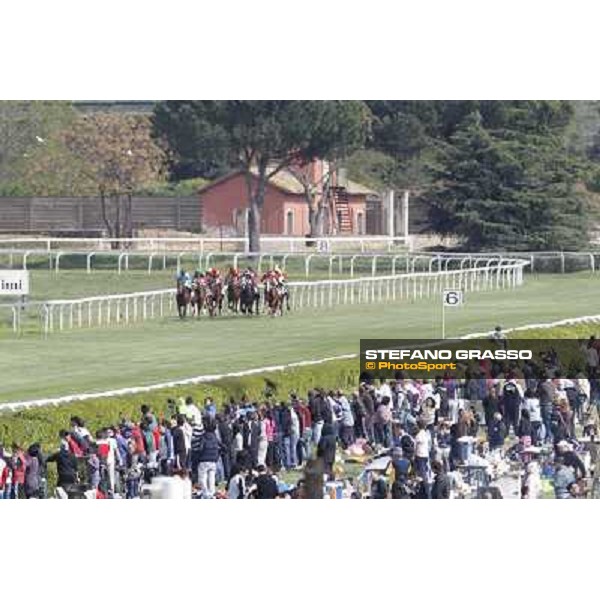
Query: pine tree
point(510, 184)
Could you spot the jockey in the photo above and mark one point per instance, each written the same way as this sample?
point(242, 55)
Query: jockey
point(279, 276)
point(234, 272)
point(184, 279)
point(214, 273)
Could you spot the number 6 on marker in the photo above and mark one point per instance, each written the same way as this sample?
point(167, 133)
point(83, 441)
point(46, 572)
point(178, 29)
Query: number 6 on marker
point(452, 297)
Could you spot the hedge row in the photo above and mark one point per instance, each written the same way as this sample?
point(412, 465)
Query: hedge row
point(43, 424)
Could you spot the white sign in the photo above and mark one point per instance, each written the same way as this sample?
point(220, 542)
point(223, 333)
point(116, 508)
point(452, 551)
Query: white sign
point(14, 283)
point(453, 297)
point(323, 246)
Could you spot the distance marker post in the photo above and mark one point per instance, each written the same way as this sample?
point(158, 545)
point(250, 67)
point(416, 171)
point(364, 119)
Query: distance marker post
point(452, 299)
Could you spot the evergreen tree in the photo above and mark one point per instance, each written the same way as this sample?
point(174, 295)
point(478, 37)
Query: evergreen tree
point(510, 185)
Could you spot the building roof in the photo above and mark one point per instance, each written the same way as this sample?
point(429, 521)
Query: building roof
point(286, 182)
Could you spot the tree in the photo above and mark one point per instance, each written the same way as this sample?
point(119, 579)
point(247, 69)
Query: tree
point(511, 185)
point(25, 128)
point(264, 137)
point(344, 132)
point(117, 155)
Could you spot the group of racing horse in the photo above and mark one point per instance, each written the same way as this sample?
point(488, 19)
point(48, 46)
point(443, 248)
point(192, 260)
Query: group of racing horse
point(205, 293)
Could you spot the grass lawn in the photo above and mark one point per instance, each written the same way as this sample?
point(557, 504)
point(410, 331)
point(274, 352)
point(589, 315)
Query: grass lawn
point(96, 360)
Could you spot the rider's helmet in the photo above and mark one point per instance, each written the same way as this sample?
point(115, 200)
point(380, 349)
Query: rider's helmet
point(182, 273)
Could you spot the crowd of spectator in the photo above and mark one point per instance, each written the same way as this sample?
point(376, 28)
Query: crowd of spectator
point(429, 429)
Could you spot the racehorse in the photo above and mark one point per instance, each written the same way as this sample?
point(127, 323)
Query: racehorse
point(274, 298)
point(249, 296)
point(234, 292)
point(198, 299)
point(183, 297)
point(214, 298)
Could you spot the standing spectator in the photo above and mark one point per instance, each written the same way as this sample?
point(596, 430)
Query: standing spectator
point(93, 467)
point(305, 419)
point(179, 444)
point(497, 432)
point(166, 451)
point(5, 475)
point(422, 452)
point(440, 490)
point(359, 412)
point(225, 435)
point(532, 404)
point(546, 394)
point(210, 409)
point(19, 466)
point(197, 436)
point(383, 423)
point(66, 467)
point(33, 472)
point(318, 412)
point(512, 397)
point(192, 412)
point(347, 420)
point(208, 455)
point(368, 402)
point(271, 433)
point(291, 434)
point(326, 448)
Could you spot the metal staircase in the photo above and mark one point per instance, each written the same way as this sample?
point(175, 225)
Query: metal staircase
point(341, 210)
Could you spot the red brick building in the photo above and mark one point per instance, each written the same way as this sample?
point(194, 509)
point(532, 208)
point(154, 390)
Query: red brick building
point(224, 205)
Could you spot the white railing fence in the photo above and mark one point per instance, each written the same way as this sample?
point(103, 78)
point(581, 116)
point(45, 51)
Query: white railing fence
point(99, 311)
point(204, 244)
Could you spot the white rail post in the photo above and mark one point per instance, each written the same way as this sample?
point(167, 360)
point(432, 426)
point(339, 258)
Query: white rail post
point(88, 262)
point(119, 262)
point(57, 263)
point(46, 316)
point(307, 260)
point(352, 259)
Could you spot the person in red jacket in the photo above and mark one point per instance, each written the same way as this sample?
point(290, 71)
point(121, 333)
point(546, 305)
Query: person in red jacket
point(19, 466)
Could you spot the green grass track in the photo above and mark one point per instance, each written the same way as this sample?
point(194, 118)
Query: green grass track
point(156, 351)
